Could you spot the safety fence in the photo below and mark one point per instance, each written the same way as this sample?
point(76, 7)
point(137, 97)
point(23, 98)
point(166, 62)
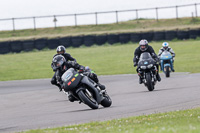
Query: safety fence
point(88, 40)
point(95, 18)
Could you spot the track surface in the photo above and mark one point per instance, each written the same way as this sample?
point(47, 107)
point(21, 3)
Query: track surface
point(33, 104)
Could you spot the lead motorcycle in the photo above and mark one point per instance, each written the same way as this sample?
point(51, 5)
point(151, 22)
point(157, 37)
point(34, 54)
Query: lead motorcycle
point(147, 70)
point(166, 63)
point(85, 89)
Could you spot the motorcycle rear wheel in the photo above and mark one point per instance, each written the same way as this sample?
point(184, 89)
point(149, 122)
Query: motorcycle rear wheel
point(149, 83)
point(90, 101)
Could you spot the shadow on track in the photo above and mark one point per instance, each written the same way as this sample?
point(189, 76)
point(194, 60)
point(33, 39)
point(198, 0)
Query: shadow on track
point(84, 110)
point(168, 89)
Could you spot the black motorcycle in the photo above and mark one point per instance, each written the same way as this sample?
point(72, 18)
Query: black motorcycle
point(147, 70)
point(85, 89)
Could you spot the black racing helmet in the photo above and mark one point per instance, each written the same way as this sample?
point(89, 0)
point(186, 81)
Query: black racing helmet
point(143, 45)
point(60, 49)
point(58, 62)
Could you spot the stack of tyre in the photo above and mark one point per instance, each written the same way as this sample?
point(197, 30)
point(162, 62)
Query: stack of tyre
point(88, 40)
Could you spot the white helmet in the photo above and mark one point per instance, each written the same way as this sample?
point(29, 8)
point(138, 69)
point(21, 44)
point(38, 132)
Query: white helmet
point(143, 45)
point(165, 45)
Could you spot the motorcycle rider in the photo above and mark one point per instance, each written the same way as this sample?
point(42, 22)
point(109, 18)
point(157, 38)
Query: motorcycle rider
point(165, 47)
point(60, 51)
point(144, 47)
point(60, 65)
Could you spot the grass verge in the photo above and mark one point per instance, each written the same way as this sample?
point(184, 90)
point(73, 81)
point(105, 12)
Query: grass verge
point(186, 121)
point(105, 60)
point(127, 26)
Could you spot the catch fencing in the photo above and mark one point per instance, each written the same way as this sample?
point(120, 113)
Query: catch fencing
point(96, 18)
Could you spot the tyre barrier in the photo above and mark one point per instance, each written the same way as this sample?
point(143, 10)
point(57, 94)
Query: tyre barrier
point(77, 41)
point(16, 46)
point(135, 37)
point(194, 34)
point(159, 35)
point(28, 45)
point(148, 36)
point(40, 43)
point(170, 35)
point(101, 39)
point(113, 38)
point(124, 37)
point(4, 47)
point(52, 43)
point(65, 41)
point(182, 35)
point(89, 40)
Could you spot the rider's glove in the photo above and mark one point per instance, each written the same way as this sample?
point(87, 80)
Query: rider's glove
point(54, 69)
point(157, 60)
point(81, 69)
point(135, 64)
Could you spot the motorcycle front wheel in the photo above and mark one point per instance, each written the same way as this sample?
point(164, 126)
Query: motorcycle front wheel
point(167, 73)
point(106, 102)
point(149, 83)
point(87, 99)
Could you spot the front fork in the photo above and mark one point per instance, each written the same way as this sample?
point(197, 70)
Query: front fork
point(153, 72)
point(171, 63)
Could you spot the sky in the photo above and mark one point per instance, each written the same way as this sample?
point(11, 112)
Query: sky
point(34, 8)
point(29, 8)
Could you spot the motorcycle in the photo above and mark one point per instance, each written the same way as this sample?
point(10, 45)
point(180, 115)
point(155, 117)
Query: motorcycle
point(147, 70)
point(166, 63)
point(84, 89)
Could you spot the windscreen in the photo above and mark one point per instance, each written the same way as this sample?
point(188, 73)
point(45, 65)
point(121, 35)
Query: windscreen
point(165, 53)
point(145, 55)
point(67, 75)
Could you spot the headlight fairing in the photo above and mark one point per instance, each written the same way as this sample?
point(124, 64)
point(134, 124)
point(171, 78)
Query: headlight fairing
point(143, 67)
point(150, 66)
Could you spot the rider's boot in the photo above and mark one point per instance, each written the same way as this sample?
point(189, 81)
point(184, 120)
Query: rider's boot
point(173, 68)
point(140, 80)
point(140, 77)
point(158, 77)
point(60, 89)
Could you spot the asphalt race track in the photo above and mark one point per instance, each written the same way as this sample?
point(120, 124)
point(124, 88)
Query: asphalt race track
point(33, 104)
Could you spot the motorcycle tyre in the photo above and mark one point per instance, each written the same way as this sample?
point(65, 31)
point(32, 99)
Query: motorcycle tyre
point(150, 85)
point(167, 73)
point(106, 102)
point(87, 101)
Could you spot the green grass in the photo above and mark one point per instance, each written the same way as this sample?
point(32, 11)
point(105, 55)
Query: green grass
point(127, 26)
point(172, 122)
point(105, 60)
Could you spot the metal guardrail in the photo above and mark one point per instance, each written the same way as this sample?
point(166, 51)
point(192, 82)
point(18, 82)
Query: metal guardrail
point(55, 17)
